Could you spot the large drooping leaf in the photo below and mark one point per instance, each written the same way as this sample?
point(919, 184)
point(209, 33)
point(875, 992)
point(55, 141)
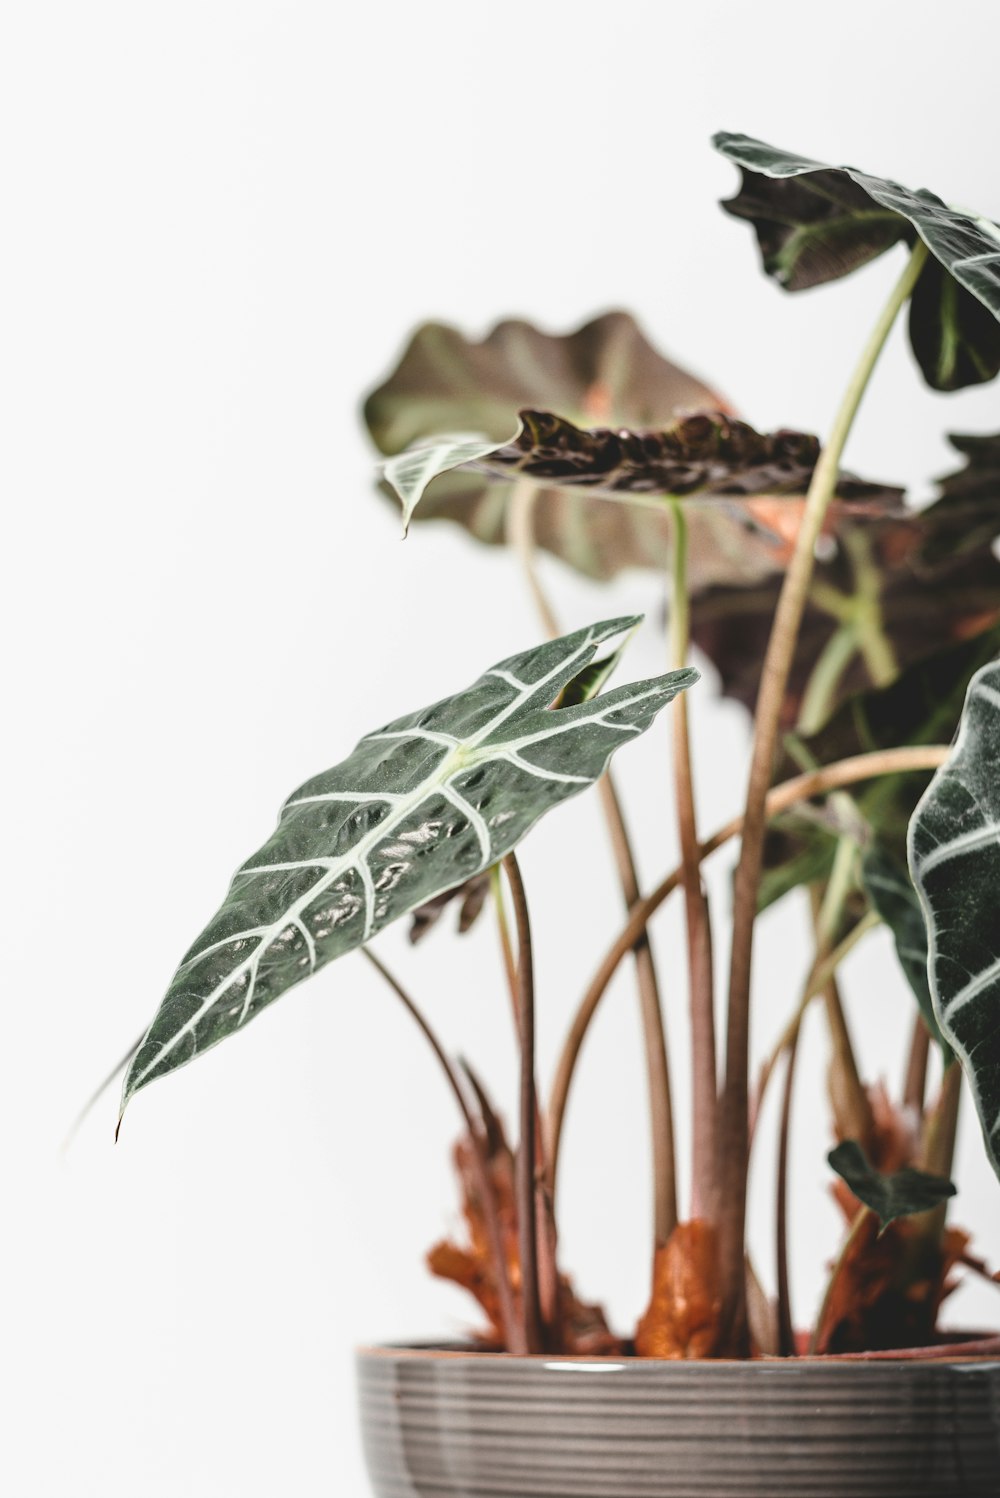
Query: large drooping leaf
point(815, 223)
point(890, 890)
point(605, 373)
point(898, 1193)
point(954, 849)
point(707, 456)
point(889, 592)
point(418, 807)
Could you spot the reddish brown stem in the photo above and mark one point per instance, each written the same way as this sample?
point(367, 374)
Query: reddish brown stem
point(527, 1215)
point(915, 1083)
point(654, 1036)
point(844, 772)
point(509, 1320)
point(704, 1077)
point(786, 1328)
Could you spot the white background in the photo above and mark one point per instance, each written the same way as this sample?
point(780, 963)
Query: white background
point(220, 222)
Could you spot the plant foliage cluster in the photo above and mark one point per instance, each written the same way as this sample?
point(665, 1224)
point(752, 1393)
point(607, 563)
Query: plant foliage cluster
point(861, 635)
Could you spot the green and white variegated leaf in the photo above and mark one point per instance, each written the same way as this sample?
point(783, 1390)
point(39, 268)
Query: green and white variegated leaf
point(899, 1193)
point(891, 892)
point(419, 806)
point(816, 222)
point(954, 851)
point(410, 472)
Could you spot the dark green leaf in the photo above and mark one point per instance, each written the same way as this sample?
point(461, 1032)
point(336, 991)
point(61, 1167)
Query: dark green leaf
point(891, 591)
point(419, 807)
point(923, 706)
point(899, 1194)
point(954, 849)
point(890, 890)
point(815, 223)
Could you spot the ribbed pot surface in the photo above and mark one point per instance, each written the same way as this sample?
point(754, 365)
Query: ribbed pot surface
point(445, 1424)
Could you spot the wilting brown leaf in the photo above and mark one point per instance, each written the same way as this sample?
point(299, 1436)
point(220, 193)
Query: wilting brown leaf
point(605, 373)
point(683, 1316)
point(574, 1327)
point(889, 1289)
point(472, 896)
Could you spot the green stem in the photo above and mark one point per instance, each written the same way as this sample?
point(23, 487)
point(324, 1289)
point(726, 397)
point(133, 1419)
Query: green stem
point(819, 694)
point(820, 976)
point(704, 1076)
point(527, 1213)
point(774, 680)
point(506, 945)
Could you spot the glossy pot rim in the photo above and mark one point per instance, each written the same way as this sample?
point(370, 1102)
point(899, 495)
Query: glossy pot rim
point(982, 1350)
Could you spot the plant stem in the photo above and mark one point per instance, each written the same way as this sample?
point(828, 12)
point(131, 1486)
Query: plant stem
point(506, 945)
point(527, 1217)
point(855, 1229)
point(509, 1321)
point(833, 660)
point(818, 979)
point(915, 1084)
point(771, 697)
point(653, 1032)
point(942, 1126)
point(521, 537)
point(786, 1325)
point(857, 768)
point(851, 1108)
point(704, 1077)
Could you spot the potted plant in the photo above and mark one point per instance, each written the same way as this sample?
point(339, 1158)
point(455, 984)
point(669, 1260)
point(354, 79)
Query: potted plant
point(861, 634)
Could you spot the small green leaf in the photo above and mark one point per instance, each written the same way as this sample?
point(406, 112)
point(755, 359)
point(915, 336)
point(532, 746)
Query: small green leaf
point(419, 807)
point(954, 850)
point(411, 471)
point(899, 1194)
point(815, 223)
point(891, 892)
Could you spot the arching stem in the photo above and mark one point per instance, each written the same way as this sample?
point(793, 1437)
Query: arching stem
point(704, 1077)
point(527, 1214)
point(767, 718)
point(521, 537)
point(852, 771)
point(786, 1326)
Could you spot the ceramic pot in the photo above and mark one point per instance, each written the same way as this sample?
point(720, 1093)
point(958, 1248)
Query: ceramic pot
point(453, 1423)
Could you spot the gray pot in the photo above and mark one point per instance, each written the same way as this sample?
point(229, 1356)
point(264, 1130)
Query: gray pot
point(461, 1424)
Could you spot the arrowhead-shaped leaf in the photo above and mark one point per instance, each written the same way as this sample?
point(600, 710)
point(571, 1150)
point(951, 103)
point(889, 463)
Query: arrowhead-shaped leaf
point(418, 807)
point(816, 222)
point(955, 863)
point(898, 1194)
